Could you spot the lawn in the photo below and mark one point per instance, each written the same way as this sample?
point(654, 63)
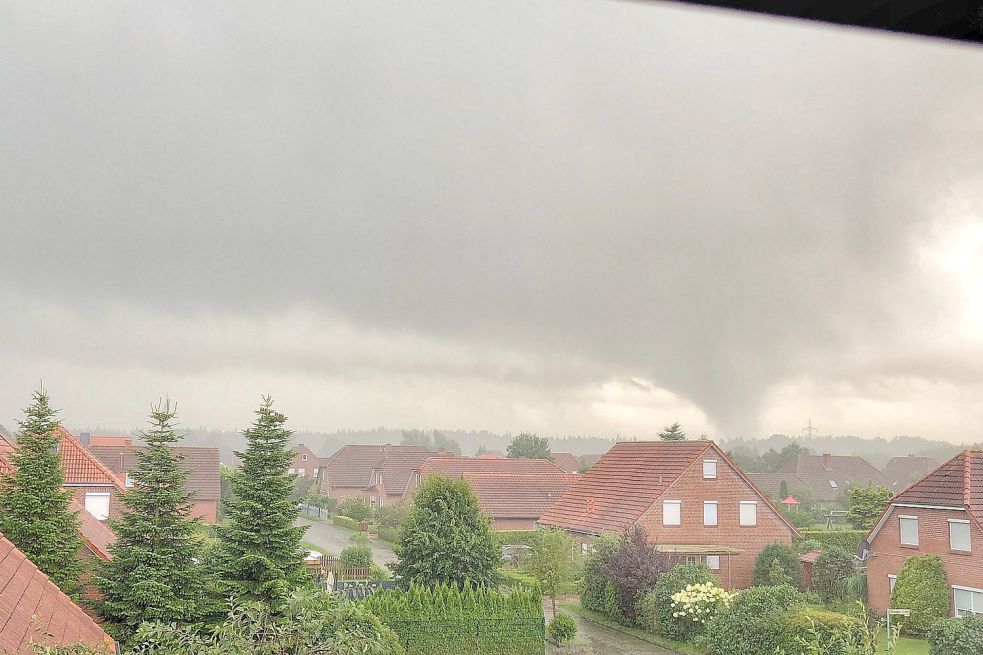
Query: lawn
point(905, 646)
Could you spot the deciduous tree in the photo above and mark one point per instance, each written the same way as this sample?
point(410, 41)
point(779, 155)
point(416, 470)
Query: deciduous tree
point(529, 446)
point(866, 504)
point(552, 561)
point(635, 568)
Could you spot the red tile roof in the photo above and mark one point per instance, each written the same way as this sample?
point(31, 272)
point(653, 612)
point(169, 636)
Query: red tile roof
point(456, 466)
point(96, 535)
point(202, 464)
point(566, 461)
point(518, 495)
point(353, 464)
point(397, 467)
point(902, 471)
point(811, 471)
point(956, 483)
point(81, 466)
point(622, 485)
point(34, 610)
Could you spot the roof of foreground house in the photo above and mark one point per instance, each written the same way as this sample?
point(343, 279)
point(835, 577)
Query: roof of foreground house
point(625, 482)
point(902, 471)
point(352, 465)
point(455, 466)
point(566, 461)
point(96, 535)
point(201, 463)
point(79, 465)
point(518, 495)
point(34, 610)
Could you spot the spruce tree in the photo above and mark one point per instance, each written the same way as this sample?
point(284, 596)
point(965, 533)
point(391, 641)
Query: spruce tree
point(259, 557)
point(34, 507)
point(153, 574)
point(672, 433)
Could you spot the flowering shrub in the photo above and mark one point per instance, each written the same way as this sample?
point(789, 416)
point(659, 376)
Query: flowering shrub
point(698, 603)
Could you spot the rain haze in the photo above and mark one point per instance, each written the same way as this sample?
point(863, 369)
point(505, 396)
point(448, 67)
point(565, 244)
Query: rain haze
point(558, 217)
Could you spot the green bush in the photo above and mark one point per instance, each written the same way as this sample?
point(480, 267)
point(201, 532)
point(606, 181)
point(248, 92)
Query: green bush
point(848, 540)
point(389, 534)
point(921, 587)
point(803, 546)
point(359, 539)
point(561, 629)
point(513, 579)
point(831, 574)
point(810, 631)
point(610, 604)
point(356, 556)
point(956, 636)
point(595, 580)
point(754, 624)
point(357, 509)
point(344, 522)
point(378, 573)
point(448, 620)
point(654, 610)
point(777, 564)
point(516, 538)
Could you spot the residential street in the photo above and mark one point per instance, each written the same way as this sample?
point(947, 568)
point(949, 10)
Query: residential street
point(332, 539)
point(596, 639)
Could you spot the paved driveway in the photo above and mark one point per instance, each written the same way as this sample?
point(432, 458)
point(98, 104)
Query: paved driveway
point(595, 639)
point(332, 539)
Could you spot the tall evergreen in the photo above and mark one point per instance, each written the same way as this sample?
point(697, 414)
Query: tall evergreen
point(34, 511)
point(153, 574)
point(672, 433)
point(259, 557)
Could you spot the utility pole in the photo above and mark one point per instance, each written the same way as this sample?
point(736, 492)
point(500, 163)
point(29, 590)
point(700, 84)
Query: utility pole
point(810, 431)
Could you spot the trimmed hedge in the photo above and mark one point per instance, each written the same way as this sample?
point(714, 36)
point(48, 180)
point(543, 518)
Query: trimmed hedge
point(561, 630)
point(754, 624)
point(922, 588)
point(344, 522)
point(828, 633)
point(956, 636)
point(516, 538)
point(513, 579)
point(655, 611)
point(848, 540)
point(596, 582)
point(448, 620)
point(356, 556)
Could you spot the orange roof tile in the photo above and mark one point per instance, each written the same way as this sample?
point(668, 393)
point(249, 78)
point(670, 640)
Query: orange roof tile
point(34, 610)
point(622, 485)
point(957, 482)
point(518, 495)
point(96, 535)
point(81, 466)
point(566, 461)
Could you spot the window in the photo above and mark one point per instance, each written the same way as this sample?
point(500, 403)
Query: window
point(692, 559)
point(372, 501)
point(127, 479)
point(749, 512)
point(316, 469)
point(97, 504)
point(303, 457)
point(301, 472)
point(709, 512)
point(891, 579)
point(671, 511)
point(967, 600)
point(584, 548)
point(832, 483)
point(909, 530)
point(959, 538)
point(713, 562)
point(710, 469)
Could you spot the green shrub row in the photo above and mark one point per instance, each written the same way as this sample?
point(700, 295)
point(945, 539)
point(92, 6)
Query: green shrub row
point(448, 620)
point(515, 579)
point(848, 540)
point(345, 522)
point(962, 636)
point(516, 538)
point(389, 534)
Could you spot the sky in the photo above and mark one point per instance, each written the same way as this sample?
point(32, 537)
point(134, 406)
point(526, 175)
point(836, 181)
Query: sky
point(562, 217)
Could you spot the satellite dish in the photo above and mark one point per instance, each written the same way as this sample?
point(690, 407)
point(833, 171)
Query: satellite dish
point(863, 550)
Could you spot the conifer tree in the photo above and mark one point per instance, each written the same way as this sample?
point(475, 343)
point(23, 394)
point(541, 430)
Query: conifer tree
point(259, 557)
point(34, 507)
point(153, 574)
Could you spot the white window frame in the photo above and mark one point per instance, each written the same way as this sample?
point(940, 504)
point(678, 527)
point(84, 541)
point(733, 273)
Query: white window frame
point(712, 475)
point(901, 521)
point(372, 501)
point(92, 509)
point(692, 559)
point(891, 579)
point(316, 469)
point(678, 505)
point(713, 562)
point(303, 457)
point(975, 601)
point(749, 503)
point(301, 472)
point(832, 483)
point(127, 480)
point(584, 547)
point(716, 513)
point(969, 536)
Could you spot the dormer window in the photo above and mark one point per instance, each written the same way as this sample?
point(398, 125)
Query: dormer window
point(709, 469)
point(832, 483)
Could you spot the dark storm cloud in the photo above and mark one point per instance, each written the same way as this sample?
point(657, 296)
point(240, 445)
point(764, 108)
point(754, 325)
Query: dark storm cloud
point(718, 201)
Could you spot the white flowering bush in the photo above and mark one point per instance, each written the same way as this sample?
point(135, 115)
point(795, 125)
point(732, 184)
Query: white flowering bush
point(698, 603)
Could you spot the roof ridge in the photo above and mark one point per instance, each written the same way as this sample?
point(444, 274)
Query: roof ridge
point(91, 457)
point(967, 477)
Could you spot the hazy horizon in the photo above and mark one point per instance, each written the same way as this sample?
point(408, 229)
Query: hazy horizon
point(561, 217)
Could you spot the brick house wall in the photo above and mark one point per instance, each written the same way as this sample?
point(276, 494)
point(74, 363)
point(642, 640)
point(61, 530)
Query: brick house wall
point(513, 524)
point(206, 510)
point(728, 489)
point(115, 503)
point(309, 465)
point(887, 555)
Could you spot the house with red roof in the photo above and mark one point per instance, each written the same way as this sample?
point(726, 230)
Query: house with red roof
point(455, 466)
point(33, 610)
point(515, 501)
point(378, 474)
point(689, 496)
point(201, 463)
point(903, 470)
point(828, 476)
point(567, 461)
point(941, 514)
point(305, 463)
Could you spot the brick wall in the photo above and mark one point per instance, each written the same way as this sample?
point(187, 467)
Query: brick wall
point(513, 524)
point(298, 462)
point(206, 510)
point(728, 489)
point(887, 555)
point(115, 504)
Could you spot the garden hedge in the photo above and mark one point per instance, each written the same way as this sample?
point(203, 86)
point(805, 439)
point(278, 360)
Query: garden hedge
point(561, 629)
point(848, 540)
point(962, 636)
point(780, 561)
point(922, 588)
point(596, 582)
point(515, 579)
point(389, 534)
point(655, 611)
point(448, 620)
point(755, 623)
point(516, 538)
point(344, 522)
point(826, 632)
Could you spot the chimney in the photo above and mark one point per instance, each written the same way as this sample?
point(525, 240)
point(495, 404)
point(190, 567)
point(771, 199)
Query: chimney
point(84, 437)
point(827, 461)
point(441, 451)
